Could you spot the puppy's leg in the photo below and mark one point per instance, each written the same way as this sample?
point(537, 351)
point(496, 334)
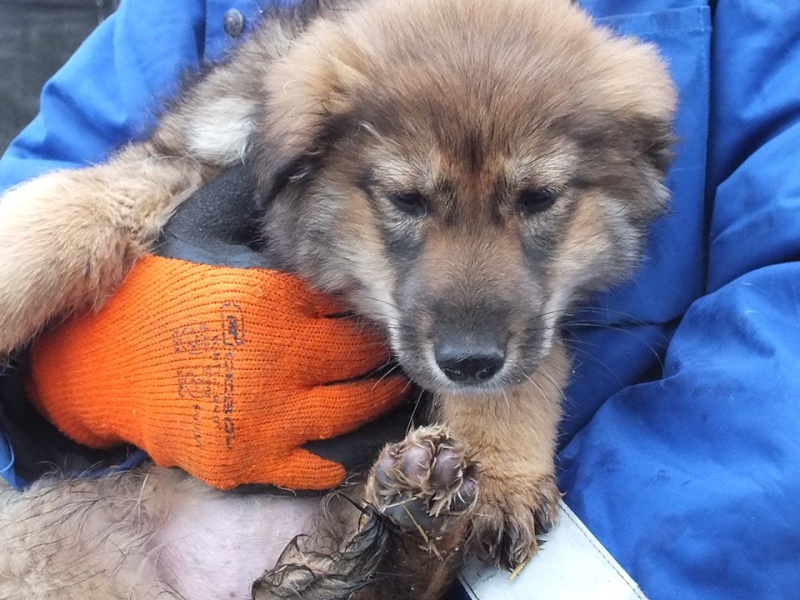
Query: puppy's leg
point(403, 540)
point(513, 436)
point(68, 237)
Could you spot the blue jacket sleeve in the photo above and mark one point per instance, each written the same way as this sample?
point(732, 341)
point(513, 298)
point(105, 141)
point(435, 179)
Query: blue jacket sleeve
point(691, 479)
point(111, 90)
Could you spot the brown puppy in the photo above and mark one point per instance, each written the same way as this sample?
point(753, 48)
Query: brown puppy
point(461, 171)
point(463, 176)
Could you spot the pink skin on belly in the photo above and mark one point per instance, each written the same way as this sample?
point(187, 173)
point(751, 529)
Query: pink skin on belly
point(214, 547)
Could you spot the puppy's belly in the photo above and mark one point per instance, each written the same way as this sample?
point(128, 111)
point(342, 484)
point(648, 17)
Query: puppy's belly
point(214, 547)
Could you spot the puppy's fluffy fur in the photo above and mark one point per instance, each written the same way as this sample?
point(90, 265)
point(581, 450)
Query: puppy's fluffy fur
point(461, 171)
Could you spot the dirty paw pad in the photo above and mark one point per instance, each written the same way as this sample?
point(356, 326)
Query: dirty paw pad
point(424, 480)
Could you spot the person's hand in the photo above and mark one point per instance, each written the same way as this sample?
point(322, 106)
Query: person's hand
point(209, 360)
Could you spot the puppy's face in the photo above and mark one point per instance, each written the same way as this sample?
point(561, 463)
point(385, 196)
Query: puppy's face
point(464, 170)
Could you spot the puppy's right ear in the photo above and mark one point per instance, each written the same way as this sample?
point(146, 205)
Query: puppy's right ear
point(308, 102)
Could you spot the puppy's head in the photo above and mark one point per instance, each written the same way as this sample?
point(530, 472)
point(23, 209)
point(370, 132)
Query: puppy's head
point(463, 171)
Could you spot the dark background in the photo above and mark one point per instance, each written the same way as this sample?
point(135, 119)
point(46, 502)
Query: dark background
point(36, 38)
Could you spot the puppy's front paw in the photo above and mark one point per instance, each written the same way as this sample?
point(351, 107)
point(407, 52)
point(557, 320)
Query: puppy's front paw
point(426, 482)
point(509, 516)
point(424, 488)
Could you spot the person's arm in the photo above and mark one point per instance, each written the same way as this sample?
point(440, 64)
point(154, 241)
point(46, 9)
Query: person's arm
point(111, 90)
point(691, 480)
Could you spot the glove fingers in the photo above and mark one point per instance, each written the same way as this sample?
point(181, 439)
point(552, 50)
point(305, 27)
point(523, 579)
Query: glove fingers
point(301, 470)
point(344, 348)
point(284, 289)
point(333, 410)
point(324, 305)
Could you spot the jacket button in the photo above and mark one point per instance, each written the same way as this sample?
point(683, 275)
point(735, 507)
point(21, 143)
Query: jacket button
point(234, 23)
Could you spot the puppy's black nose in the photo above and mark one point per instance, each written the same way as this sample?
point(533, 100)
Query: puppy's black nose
point(469, 364)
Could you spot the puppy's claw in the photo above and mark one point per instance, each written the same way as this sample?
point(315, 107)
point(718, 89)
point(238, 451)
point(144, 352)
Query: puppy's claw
point(506, 526)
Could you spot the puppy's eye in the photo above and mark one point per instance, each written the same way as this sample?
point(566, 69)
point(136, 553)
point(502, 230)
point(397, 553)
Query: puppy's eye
point(411, 203)
point(536, 200)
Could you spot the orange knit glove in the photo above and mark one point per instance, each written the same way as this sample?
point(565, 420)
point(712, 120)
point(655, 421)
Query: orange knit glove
point(225, 372)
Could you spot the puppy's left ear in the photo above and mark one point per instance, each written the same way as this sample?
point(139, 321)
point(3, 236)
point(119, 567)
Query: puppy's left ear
point(309, 99)
point(634, 84)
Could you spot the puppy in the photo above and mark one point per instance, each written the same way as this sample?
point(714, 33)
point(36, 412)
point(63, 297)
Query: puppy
point(462, 172)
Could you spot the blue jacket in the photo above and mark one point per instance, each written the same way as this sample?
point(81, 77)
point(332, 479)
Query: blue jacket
point(680, 447)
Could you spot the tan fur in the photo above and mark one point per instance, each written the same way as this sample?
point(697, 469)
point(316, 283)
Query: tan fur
point(515, 445)
point(471, 104)
point(86, 539)
point(69, 236)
